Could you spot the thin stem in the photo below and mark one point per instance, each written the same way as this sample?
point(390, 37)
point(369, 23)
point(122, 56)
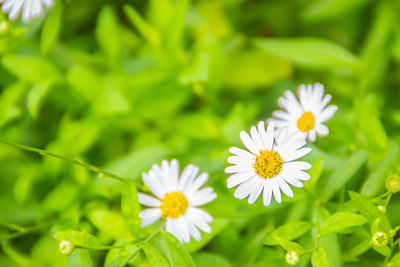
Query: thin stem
point(42, 152)
point(25, 231)
point(388, 199)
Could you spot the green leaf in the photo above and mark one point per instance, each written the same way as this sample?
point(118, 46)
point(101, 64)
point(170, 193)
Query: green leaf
point(196, 70)
point(385, 251)
point(36, 96)
point(178, 249)
point(309, 52)
point(109, 222)
point(30, 68)
point(155, 257)
point(357, 250)
point(369, 210)
point(121, 256)
point(205, 259)
point(108, 32)
point(51, 28)
point(80, 257)
point(395, 260)
point(130, 207)
point(289, 245)
point(319, 258)
point(289, 231)
point(80, 239)
point(324, 9)
point(142, 26)
point(376, 180)
point(340, 221)
point(342, 175)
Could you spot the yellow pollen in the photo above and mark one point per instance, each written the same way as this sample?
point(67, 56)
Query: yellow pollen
point(174, 205)
point(268, 164)
point(306, 122)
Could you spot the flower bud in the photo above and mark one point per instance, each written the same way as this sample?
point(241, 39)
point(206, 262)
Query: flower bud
point(292, 258)
point(66, 247)
point(393, 183)
point(382, 208)
point(380, 239)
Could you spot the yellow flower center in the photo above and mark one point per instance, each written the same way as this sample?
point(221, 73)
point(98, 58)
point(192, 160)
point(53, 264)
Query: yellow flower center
point(174, 205)
point(268, 164)
point(306, 122)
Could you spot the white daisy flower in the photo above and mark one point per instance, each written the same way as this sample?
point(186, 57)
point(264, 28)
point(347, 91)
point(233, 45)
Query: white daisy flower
point(307, 115)
point(30, 8)
point(269, 166)
point(177, 200)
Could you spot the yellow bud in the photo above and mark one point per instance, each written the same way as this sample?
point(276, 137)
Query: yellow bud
point(393, 183)
point(292, 258)
point(66, 247)
point(380, 239)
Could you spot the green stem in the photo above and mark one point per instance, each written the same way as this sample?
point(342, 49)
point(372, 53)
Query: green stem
point(42, 152)
point(25, 231)
point(388, 199)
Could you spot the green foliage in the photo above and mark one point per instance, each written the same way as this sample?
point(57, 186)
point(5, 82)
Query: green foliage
point(123, 85)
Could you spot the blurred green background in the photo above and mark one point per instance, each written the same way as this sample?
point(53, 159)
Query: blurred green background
point(125, 84)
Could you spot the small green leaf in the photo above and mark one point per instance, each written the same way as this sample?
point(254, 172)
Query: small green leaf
point(196, 71)
point(179, 249)
point(109, 222)
point(340, 221)
point(342, 175)
point(369, 210)
point(30, 68)
point(80, 239)
point(121, 256)
point(51, 28)
point(289, 231)
point(142, 26)
point(108, 32)
point(36, 96)
point(356, 250)
point(376, 180)
point(289, 245)
point(155, 257)
point(319, 258)
point(385, 251)
point(395, 260)
point(130, 207)
point(309, 52)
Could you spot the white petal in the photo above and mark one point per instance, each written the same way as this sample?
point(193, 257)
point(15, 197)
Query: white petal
point(26, 11)
point(248, 143)
point(269, 136)
point(293, 155)
point(290, 103)
point(187, 175)
point(203, 196)
point(174, 172)
point(321, 130)
point(312, 135)
point(149, 216)
point(48, 3)
point(283, 115)
point(326, 114)
point(242, 153)
point(6, 7)
point(259, 186)
point(267, 194)
point(148, 200)
point(257, 138)
point(297, 165)
point(181, 224)
point(195, 185)
point(292, 181)
point(199, 214)
point(154, 185)
point(244, 189)
point(176, 230)
point(285, 187)
point(302, 94)
point(239, 161)
point(239, 178)
point(194, 232)
point(275, 190)
point(325, 102)
point(16, 9)
point(239, 169)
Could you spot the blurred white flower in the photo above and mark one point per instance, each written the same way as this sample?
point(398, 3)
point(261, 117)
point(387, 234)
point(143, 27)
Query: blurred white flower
point(30, 8)
point(307, 115)
point(270, 165)
point(177, 200)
